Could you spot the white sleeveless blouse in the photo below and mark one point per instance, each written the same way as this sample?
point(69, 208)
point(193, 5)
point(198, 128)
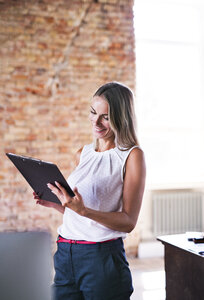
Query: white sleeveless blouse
point(99, 179)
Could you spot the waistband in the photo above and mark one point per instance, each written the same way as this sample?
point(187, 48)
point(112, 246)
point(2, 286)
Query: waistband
point(63, 240)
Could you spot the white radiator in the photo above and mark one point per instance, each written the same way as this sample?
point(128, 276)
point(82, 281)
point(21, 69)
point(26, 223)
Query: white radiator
point(177, 212)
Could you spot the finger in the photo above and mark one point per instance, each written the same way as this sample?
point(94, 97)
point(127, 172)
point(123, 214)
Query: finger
point(41, 202)
point(50, 185)
point(35, 196)
point(53, 188)
point(75, 190)
point(62, 189)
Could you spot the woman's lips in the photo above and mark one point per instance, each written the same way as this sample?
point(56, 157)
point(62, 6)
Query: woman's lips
point(99, 130)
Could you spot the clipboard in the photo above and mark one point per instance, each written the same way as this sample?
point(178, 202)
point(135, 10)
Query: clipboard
point(38, 174)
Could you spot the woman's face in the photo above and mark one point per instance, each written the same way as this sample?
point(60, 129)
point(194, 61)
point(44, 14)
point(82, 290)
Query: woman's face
point(99, 119)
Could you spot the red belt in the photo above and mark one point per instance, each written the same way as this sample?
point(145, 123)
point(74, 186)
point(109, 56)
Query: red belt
point(62, 240)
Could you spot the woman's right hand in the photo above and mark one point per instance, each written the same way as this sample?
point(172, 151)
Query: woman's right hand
point(42, 202)
point(46, 203)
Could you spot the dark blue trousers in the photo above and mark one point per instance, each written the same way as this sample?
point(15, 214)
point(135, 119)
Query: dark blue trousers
point(92, 272)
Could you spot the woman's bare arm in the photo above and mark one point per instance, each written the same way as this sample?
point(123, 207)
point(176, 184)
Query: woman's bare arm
point(134, 183)
point(133, 190)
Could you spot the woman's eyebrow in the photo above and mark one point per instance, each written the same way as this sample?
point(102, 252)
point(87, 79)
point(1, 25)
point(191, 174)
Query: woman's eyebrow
point(92, 108)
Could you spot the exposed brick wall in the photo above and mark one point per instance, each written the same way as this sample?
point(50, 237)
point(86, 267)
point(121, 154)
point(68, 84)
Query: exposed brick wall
point(53, 56)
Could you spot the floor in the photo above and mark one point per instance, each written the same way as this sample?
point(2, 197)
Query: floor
point(148, 272)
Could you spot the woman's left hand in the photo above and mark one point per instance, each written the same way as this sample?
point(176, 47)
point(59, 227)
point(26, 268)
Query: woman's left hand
point(75, 203)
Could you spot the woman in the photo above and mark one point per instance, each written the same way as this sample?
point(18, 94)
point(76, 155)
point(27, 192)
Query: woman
point(108, 183)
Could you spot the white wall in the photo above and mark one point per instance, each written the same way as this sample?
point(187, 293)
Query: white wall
point(170, 95)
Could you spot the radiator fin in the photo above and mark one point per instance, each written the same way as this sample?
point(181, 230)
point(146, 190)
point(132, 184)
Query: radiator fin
point(177, 212)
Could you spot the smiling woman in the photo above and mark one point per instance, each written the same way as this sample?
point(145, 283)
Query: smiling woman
point(121, 113)
point(108, 183)
point(100, 121)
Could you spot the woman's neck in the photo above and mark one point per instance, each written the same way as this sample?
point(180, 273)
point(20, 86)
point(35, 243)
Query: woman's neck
point(104, 145)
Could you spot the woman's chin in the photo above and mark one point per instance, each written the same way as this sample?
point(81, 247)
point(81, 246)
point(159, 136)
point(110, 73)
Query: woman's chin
point(99, 134)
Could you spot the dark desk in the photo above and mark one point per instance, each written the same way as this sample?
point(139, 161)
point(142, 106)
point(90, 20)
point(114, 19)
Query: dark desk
point(184, 268)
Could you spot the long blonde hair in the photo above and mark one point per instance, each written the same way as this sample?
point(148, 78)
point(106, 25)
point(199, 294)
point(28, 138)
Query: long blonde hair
point(121, 113)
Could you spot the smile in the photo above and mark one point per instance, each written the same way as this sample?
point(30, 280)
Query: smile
point(99, 129)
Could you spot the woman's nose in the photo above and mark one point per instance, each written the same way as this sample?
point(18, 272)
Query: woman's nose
point(97, 120)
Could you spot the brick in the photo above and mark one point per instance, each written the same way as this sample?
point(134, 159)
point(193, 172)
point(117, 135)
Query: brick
point(80, 48)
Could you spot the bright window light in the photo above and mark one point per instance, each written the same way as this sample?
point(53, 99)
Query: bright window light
point(169, 90)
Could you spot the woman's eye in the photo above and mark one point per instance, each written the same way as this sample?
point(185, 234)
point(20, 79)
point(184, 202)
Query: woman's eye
point(92, 112)
point(106, 118)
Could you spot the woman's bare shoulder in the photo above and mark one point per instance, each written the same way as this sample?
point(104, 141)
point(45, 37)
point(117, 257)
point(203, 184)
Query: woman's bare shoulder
point(136, 158)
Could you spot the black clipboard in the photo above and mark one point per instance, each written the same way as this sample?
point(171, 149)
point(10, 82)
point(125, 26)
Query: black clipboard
point(38, 174)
